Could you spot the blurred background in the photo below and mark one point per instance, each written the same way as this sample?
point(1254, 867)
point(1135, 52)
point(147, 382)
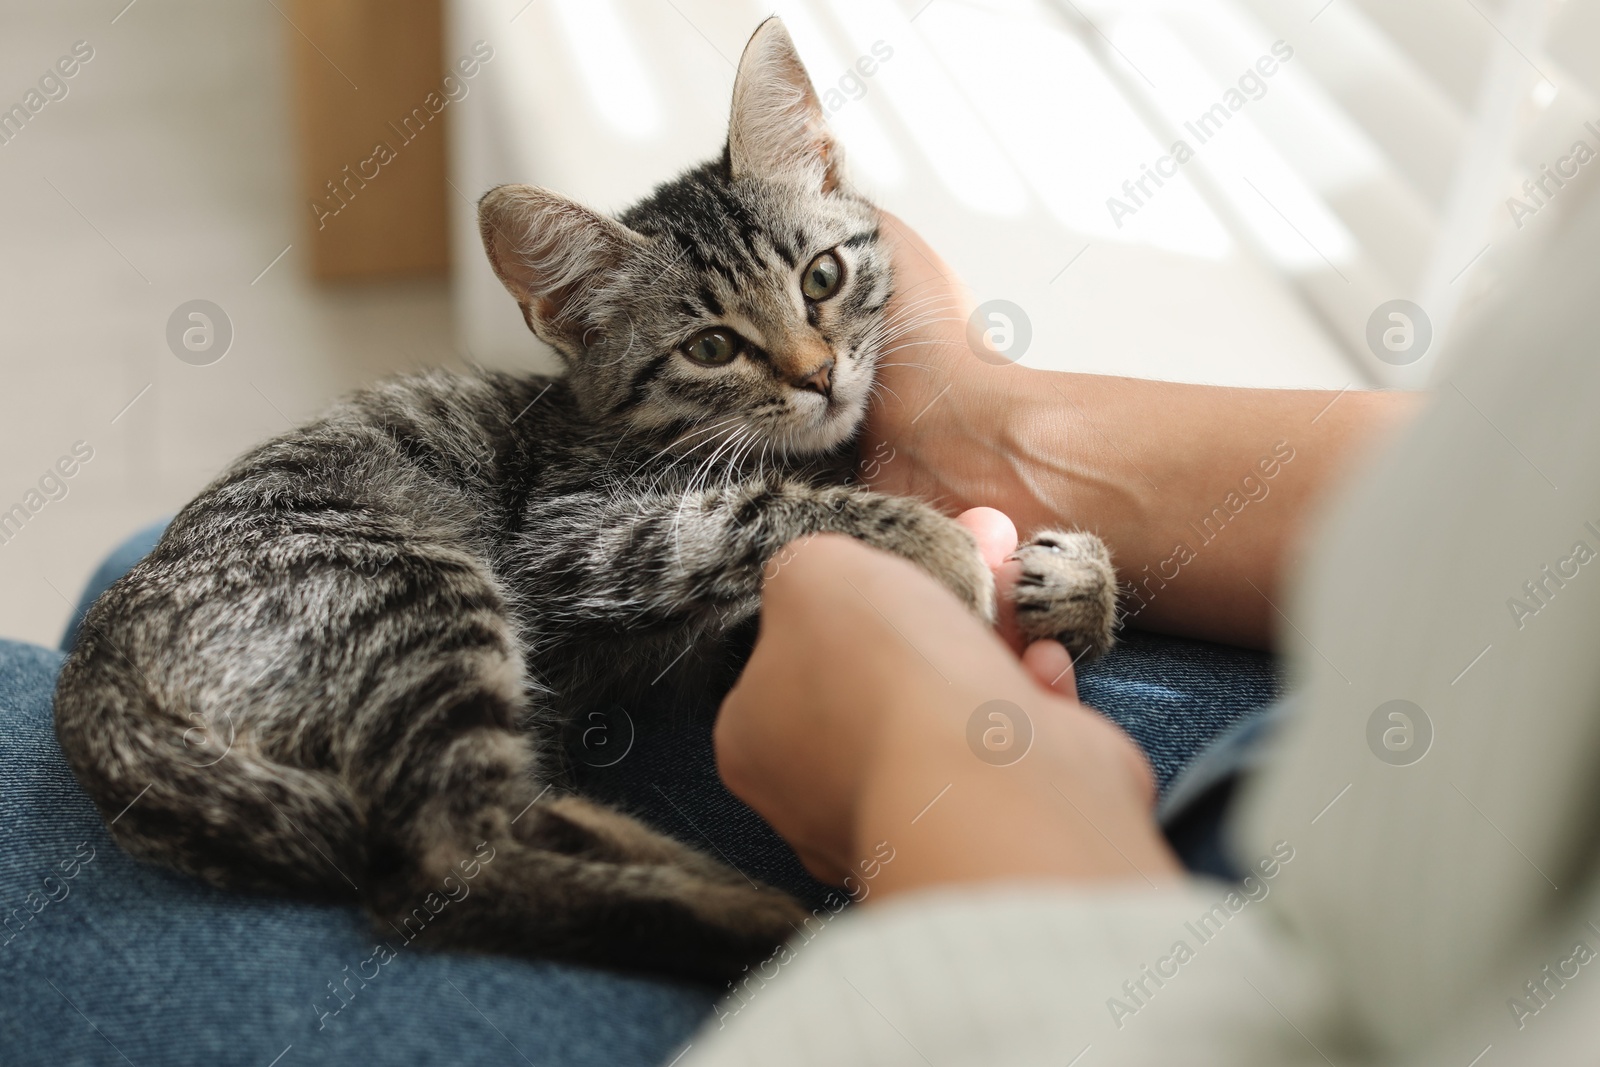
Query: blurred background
point(218, 216)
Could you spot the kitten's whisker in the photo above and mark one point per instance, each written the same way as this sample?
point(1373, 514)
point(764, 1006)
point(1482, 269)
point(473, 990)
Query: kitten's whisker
point(911, 331)
point(899, 340)
point(734, 434)
point(679, 459)
point(705, 468)
point(735, 466)
point(684, 500)
point(911, 324)
point(895, 344)
point(878, 388)
point(943, 301)
point(666, 471)
point(922, 319)
point(904, 306)
point(690, 434)
point(921, 287)
point(711, 430)
point(687, 436)
point(901, 309)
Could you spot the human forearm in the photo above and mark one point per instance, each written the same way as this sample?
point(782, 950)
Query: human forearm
point(1201, 491)
point(1141, 463)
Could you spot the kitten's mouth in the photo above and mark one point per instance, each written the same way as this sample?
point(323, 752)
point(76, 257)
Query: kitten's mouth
point(825, 428)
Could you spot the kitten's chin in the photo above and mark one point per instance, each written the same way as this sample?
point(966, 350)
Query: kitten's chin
point(828, 429)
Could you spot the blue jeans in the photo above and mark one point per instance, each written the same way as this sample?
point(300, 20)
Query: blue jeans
point(103, 958)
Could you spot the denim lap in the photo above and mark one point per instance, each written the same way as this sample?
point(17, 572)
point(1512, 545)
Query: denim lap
point(102, 957)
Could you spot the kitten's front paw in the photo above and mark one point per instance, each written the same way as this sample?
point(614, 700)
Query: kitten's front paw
point(954, 559)
point(1067, 591)
point(939, 545)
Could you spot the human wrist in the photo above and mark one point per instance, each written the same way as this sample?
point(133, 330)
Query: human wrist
point(1048, 463)
point(952, 448)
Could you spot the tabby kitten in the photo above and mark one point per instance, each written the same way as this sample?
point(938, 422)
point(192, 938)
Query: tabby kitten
point(349, 660)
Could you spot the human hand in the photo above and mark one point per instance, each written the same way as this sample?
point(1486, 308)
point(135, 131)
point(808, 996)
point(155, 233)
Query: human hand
point(850, 726)
point(927, 369)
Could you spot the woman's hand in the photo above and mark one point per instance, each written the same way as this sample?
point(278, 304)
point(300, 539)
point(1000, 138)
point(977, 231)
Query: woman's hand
point(931, 379)
point(864, 722)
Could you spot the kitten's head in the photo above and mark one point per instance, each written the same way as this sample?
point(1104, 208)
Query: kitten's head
point(742, 302)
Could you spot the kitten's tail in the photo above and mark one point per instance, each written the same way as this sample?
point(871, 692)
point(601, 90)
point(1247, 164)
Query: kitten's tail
point(201, 799)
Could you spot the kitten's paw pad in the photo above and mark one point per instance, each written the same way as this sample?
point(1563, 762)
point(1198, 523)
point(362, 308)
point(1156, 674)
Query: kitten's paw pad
point(1067, 591)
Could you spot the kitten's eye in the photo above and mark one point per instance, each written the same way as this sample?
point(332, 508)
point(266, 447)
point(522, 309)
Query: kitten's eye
point(715, 347)
point(822, 277)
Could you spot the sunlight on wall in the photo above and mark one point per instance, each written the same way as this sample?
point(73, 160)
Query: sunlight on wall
point(939, 119)
point(1292, 224)
point(612, 68)
point(1314, 134)
point(1066, 127)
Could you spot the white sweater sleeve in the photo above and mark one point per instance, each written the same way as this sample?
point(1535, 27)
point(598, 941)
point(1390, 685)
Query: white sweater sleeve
point(1019, 975)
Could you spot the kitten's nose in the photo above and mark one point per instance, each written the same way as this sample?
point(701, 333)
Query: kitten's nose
point(819, 380)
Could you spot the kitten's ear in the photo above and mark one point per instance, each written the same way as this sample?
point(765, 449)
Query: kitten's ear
point(778, 129)
point(550, 253)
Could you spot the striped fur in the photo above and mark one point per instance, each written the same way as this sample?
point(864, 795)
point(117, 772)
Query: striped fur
point(345, 670)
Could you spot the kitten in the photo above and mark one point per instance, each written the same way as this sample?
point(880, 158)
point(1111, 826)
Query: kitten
point(349, 660)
